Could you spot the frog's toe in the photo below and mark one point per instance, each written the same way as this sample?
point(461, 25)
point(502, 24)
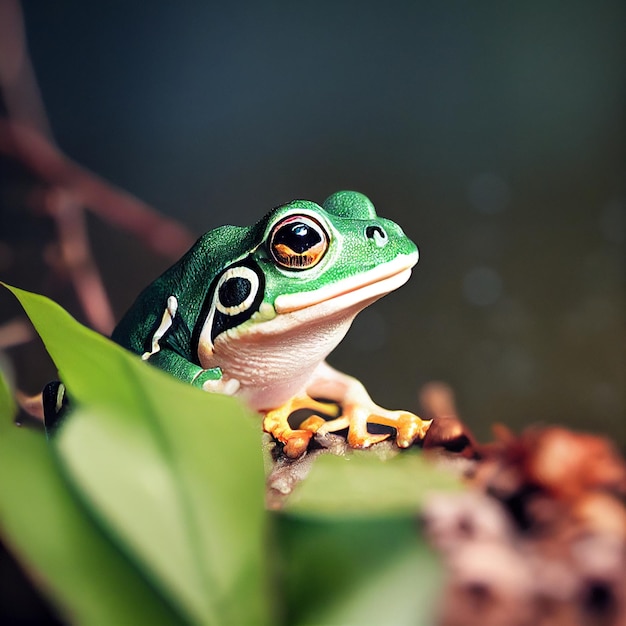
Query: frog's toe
point(410, 428)
point(297, 443)
point(313, 423)
point(331, 426)
point(364, 440)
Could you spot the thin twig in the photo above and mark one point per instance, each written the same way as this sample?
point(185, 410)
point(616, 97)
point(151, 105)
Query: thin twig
point(32, 405)
point(70, 189)
point(17, 79)
point(113, 205)
point(78, 260)
point(15, 332)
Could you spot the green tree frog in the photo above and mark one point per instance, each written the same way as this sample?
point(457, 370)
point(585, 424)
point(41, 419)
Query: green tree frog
point(254, 312)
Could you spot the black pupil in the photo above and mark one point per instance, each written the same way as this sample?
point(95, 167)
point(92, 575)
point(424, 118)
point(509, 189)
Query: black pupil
point(234, 291)
point(299, 237)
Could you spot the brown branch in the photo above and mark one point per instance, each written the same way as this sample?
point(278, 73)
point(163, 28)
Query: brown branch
point(78, 260)
point(17, 78)
point(437, 400)
point(161, 234)
point(15, 332)
point(32, 405)
point(70, 189)
point(26, 136)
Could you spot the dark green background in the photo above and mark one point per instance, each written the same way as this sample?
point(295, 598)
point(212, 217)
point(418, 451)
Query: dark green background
point(493, 132)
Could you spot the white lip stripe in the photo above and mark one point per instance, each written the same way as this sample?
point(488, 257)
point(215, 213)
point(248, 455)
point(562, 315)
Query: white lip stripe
point(289, 302)
point(237, 272)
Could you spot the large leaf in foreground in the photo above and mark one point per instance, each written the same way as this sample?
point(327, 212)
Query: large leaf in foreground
point(353, 551)
point(175, 473)
point(85, 575)
point(357, 571)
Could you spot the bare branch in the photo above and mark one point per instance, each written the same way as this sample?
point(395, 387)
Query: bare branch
point(26, 137)
point(79, 262)
point(15, 332)
point(32, 405)
point(17, 79)
point(161, 234)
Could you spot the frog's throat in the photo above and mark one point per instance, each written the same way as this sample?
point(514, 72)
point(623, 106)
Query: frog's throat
point(380, 280)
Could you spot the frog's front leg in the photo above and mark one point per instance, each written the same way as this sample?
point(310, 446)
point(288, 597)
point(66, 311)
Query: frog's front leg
point(183, 369)
point(359, 410)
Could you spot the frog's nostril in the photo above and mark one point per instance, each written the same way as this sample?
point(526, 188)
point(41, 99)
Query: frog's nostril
point(377, 234)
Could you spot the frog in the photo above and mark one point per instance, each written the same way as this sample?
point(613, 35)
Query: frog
point(254, 311)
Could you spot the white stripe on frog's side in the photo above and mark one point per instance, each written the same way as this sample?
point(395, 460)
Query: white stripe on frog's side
point(164, 326)
point(59, 400)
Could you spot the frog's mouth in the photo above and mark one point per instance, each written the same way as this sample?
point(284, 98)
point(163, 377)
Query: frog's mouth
point(369, 285)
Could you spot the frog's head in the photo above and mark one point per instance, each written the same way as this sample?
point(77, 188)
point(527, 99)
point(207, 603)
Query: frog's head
point(341, 252)
point(307, 264)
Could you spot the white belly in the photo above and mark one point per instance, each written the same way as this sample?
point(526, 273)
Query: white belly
point(271, 366)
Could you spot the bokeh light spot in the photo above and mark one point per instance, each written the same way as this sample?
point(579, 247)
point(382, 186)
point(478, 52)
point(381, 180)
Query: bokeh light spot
point(482, 286)
point(489, 193)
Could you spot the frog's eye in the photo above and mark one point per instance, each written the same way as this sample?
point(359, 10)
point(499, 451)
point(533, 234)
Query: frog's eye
point(298, 242)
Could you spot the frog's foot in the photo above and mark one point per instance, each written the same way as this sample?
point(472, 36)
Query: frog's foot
point(355, 419)
point(276, 423)
point(409, 427)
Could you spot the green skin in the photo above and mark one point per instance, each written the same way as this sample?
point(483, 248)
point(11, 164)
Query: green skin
point(345, 215)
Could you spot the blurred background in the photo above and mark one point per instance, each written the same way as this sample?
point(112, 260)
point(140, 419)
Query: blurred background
point(492, 132)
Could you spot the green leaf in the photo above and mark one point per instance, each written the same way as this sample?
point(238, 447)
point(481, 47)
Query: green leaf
point(363, 484)
point(8, 408)
point(353, 550)
point(176, 474)
point(43, 523)
point(356, 571)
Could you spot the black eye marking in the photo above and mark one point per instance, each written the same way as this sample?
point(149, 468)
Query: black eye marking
point(233, 298)
point(298, 242)
point(236, 297)
point(234, 291)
